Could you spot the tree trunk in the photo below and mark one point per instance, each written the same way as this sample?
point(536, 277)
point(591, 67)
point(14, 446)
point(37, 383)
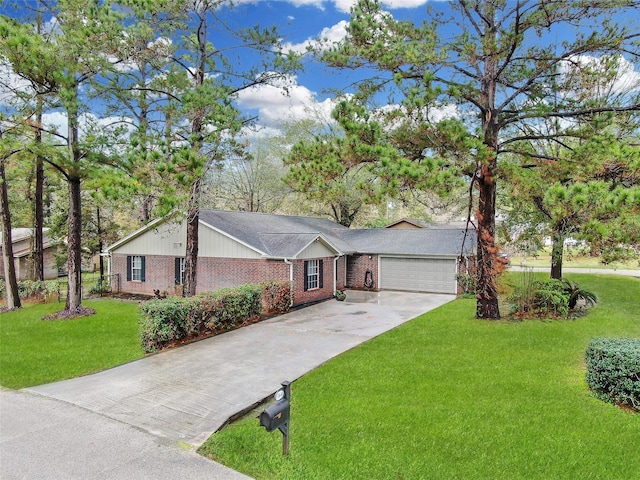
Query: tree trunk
point(191, 257)
point(487, 303)
point(38, 218)
point(193, 213)
point(74, 240)
point(13, 298)
point(556, 254)
point(74, 257)
point(100, 242)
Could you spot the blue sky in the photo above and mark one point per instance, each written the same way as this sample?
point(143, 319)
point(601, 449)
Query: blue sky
point(300, 22)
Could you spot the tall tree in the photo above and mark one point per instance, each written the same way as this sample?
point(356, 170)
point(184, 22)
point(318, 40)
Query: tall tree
point(201, 84)
point(335, 169)
point(13, 298)
point(498, 62)
point(64, 61)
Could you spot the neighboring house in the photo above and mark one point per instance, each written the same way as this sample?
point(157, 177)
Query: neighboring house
point(22, 239)
point(316, 255)
point(408, 223)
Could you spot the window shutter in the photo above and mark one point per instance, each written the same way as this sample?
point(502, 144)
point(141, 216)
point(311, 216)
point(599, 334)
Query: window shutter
point(128, 268)
point(320, 274)
point(142, 264)
point(306, 277)
point(178, 280)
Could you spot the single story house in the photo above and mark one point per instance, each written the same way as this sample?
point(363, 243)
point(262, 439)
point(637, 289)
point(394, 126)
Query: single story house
point(22, 241)
point(316, 255)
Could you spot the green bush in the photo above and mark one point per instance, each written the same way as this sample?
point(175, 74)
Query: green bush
point(172, 319)
point(276, 297)
point(539, 299)
point(28, 289)
point(224, 309)
point(467, 283)
point(613, 370)
point(550, 298)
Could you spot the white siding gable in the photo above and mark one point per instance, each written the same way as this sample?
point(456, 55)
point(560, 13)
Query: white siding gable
point(317, 249)
point(165, 239)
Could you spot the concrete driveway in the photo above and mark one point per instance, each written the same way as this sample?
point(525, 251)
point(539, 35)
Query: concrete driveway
point(133, 421)
point(188, 393)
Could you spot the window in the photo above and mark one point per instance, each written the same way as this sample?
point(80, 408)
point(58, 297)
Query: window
point(312, 274)
point(135, 268)
point(179, 270)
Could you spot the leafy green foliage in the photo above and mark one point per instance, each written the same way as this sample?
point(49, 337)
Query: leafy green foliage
point(613, 370)
point(174, 319)
point(549, 298)
point(29, 289)
point(485, 82)
point(467, 283)
point(276, 297)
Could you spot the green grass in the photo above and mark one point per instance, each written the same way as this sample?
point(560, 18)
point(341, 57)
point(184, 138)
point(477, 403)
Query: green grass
point(577, 260)
point(446, 396)
point(34, 351)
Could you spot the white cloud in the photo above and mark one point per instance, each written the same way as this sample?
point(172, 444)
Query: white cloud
point(328, 37)
point(615, 75)
point(284, 101)
point(11, 84)
point(345, 5)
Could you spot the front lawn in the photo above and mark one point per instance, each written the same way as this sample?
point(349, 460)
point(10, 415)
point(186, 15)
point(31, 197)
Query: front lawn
point(35, 351)
point(447, 396)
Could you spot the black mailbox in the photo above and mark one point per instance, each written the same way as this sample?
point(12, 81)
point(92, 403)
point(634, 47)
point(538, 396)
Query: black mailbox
point(276, 416)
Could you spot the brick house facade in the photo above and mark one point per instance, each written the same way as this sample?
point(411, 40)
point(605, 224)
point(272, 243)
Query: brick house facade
point(162, 273)
point(316, 255)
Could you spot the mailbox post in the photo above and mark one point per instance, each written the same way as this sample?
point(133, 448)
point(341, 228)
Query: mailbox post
point(278, 415)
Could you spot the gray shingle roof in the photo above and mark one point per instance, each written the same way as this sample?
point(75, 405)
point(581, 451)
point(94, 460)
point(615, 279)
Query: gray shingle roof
point(284, 236)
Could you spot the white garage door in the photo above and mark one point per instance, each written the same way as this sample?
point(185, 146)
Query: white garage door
point(436, 275)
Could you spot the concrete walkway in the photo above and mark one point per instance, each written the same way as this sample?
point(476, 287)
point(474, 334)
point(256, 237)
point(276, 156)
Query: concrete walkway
point(186, 394)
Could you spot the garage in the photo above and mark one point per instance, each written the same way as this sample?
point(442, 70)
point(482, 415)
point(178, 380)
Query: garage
point(436, 275)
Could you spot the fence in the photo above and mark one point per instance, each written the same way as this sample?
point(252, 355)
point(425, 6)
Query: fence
point(92, 284)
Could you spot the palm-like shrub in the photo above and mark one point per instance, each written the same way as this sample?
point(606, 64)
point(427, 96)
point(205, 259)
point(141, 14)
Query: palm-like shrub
point(576, 293)
point(554, 298)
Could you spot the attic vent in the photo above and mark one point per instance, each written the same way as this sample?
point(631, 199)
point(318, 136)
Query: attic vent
point(177, 244)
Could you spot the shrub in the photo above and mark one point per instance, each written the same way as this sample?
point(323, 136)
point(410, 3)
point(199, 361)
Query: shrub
point(576, 293)
point(172, 319)
point(555, 298)
point(29, 289)
point(467, 283)
point(276, 297)
point(102, 286)
point(613, 370)
point(164, 321)
point(539, 299)
point(224, 309)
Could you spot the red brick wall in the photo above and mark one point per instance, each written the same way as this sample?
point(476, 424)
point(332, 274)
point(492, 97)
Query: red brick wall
point(300, 296)
point(357, 266)
point(216, 273)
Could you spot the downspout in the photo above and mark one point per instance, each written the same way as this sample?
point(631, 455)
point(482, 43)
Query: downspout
point(286, 260)
point(335, 274)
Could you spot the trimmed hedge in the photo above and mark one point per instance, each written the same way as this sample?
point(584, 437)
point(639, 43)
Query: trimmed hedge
point(613, 370)
point(276, 297)
point(172, 319)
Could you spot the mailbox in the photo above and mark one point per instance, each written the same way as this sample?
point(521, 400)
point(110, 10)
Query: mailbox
point(276, 416)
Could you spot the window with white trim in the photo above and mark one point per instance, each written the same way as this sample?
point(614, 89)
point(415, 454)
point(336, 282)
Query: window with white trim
point(312, 274)
point(136, 268)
